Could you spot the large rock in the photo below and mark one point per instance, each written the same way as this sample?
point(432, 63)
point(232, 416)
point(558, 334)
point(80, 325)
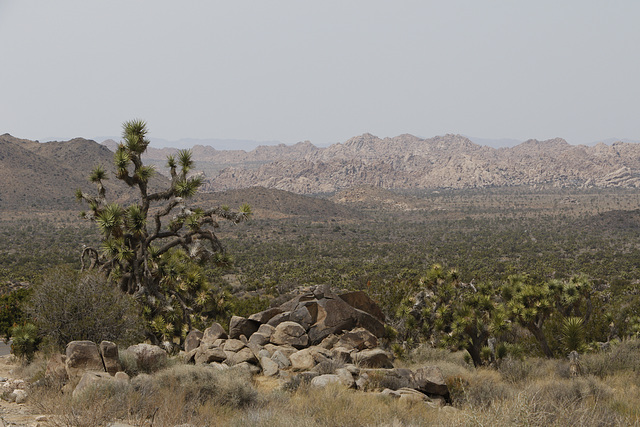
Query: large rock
point(281, 359)
point(82, 356)
point(270, 368)
point(266, 315)
point(361, 301)
point(242, 326)
point(88, 380)
point(359, 339)
point(208, 355)
point(431, 381)
point(279, 318)
point(192, 340)
point(233, 345)
point(110, 359)
point(290, 333)
point(305, 315)
point(322, 381)
point(374, 358)
point(150, 358)
point(302, 360)
point(213, 333)
point(334, 316)
point(324, 313)
point(242, 356)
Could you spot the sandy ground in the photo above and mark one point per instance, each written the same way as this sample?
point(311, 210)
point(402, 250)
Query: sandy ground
point(4, 349)
point(12, 414)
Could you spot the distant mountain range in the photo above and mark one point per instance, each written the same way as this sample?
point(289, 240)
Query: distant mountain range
point(450, 161)
point(38, 175)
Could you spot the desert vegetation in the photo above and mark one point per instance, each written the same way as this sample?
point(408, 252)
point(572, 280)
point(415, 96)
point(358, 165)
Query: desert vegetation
point(496, 287)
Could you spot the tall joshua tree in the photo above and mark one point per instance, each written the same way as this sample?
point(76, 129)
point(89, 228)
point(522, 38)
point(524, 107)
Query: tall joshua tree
point(154, 248)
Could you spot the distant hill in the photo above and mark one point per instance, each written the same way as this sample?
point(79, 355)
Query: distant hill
point(44, 176)
point(41, 176)
point(34, 174)
point(450, 161)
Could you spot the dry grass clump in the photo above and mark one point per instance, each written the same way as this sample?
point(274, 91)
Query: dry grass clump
point(176, 395)
point(623, 356)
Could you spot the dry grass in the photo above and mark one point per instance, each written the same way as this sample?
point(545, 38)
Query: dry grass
point(532, 392)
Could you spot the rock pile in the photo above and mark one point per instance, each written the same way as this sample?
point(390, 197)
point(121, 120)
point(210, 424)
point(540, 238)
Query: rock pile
point(318, 338)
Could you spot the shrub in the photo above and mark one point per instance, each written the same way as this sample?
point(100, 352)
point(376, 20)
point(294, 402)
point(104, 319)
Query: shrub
point(25, 341)
point(68, 306)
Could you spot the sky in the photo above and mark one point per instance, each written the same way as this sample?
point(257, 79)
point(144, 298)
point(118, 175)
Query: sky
point(322, 71)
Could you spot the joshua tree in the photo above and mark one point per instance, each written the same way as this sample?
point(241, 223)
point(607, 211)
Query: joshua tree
point(154, 247)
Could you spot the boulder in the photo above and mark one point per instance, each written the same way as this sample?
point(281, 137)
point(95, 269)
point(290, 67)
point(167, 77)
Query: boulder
point(190, 357)
point(286, 349)
point(305, 315)
point(266, 315)
point(192, 340)
point(110, 359)
point(334, 316)
point(290, 333)
point(359, 339)
point(209, 355)
point(270, 368)
point(281, 359)
point(346, 378)
point(374, 358)
point(361, 301)
point(150, 358)
point(242, 326)
point(82, 356)
point(279, 318)
point(266, 330)
point(212, 333)
point(258, 339)
point(342, 354)
point(243, 355)
point(431, 381)
point(88, 380)
point(233, 345)
point(329, 342)
point(412, 395)
point(324, 380)
point(302, 360)
point(121, 376)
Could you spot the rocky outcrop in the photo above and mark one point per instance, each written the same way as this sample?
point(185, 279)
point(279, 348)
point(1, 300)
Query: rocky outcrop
point(320, 337)
point(450, 161)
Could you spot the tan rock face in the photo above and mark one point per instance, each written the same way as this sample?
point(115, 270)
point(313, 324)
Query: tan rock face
point(109, 353)
point(82, 356)
point(290, 333)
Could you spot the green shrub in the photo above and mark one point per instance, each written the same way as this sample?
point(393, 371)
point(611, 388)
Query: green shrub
point(68, 306)
point(25, 341)
point(11, 310)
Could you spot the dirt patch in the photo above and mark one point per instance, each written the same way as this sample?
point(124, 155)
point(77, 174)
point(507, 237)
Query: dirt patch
point(13, 414)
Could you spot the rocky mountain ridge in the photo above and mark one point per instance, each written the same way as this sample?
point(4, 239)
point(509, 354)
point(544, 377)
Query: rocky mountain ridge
point(449, 161)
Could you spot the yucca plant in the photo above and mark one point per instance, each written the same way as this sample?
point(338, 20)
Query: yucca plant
point(573, 334)
point(141, 241)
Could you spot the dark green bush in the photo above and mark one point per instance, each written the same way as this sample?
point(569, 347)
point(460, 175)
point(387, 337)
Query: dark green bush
point(68, 306)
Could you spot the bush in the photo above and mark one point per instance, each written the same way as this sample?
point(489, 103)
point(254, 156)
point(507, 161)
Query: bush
point(11, 305)
point(25, 341)
point(68, 306)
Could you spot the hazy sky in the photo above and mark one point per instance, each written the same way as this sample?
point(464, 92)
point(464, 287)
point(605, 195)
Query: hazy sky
point(322, 71)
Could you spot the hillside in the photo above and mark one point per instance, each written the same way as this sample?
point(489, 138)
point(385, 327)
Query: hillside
point(44, 176)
